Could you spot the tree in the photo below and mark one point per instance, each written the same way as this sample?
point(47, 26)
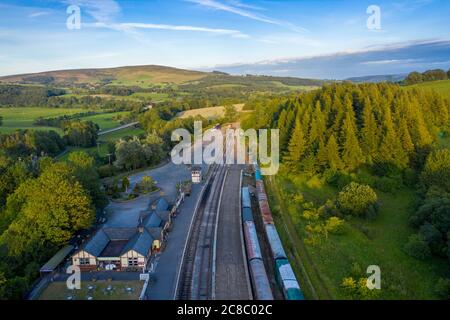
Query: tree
point(437, 170)
point(147, 183)
point(81, 133)
point(86, 172)
point(230, 113)
point(370, 132)
point(125, 183)
point(1, 121)
point(51, 208)
point(357, 199)
point(333, 225)
point(417, 248)
point(352, 154)
point(130, 154)
point(155, 150)
point(405, 137)
point(333, 157)
point(297, 143)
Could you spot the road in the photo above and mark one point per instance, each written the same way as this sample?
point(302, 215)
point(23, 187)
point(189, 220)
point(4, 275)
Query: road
point(125, 126)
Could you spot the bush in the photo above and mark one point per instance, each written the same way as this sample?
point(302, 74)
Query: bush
point(388, 184)
point(442, 289)
point(417, 247)
point(107, 171)
point(337, 179)
point(357, 199)
point(437, 170)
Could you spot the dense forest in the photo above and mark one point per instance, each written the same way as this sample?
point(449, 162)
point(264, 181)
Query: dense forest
point(361, 140)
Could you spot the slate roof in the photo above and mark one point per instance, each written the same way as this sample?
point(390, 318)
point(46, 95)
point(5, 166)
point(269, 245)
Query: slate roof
point(153, 221)
point(160, 205)
point(120, 233)
point(141, 243)
point(97, 243)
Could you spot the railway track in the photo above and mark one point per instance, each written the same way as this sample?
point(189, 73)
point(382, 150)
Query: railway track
point(195, 274)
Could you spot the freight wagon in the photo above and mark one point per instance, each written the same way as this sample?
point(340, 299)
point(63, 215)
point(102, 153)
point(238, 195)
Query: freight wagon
point(260, 281)
point(285, 274)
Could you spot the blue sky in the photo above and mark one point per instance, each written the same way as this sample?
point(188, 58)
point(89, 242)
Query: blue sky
point(225, 34)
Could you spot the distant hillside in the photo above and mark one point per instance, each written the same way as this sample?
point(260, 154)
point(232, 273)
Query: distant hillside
point(379, 78)
point(127, 76)
point(146, 76)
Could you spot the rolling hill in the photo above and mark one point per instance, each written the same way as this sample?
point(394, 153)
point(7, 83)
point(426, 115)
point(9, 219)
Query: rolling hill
point(128, 76)
point(147, 76)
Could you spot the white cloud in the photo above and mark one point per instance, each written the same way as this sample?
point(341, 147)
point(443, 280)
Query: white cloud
point(390, 61)
point(130, 26)
point(216, 5)
point(38, 14)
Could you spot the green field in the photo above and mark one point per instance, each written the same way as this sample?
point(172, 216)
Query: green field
point(105, 120)
point(22, 118)
point(59, 291)
point(363, 243)
point(442, 87)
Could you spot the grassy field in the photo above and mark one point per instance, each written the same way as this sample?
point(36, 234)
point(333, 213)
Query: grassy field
point(105, 120)
point(22, 118)
point(98, 291)
point(442, 87)
point(208, 113)
point(363, 243)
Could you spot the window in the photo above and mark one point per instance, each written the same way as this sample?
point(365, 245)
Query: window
point(84, 261)
point(133, 262)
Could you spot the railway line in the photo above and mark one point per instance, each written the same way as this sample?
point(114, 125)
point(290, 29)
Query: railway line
point(195, 279)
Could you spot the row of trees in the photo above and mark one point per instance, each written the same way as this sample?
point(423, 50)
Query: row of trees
point(430, 75)
point(23, 143)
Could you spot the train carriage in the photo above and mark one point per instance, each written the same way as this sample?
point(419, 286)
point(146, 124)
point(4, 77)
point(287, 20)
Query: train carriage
point(275, 243)
point(265, 212)
point(251, 241)
point(286, 277)
point(261, 284)
point(247, 214)
point(245, 198)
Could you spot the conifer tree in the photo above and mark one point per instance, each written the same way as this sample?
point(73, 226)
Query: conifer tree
point(391, 149)
point(405, 137)
point(333, 157)
point(370, 134)
point(297, 144)
point(352, 155)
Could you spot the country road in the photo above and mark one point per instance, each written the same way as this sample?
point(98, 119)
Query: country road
point(125, 126)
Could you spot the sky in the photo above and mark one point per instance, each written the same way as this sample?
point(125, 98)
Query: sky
point(315, 38)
